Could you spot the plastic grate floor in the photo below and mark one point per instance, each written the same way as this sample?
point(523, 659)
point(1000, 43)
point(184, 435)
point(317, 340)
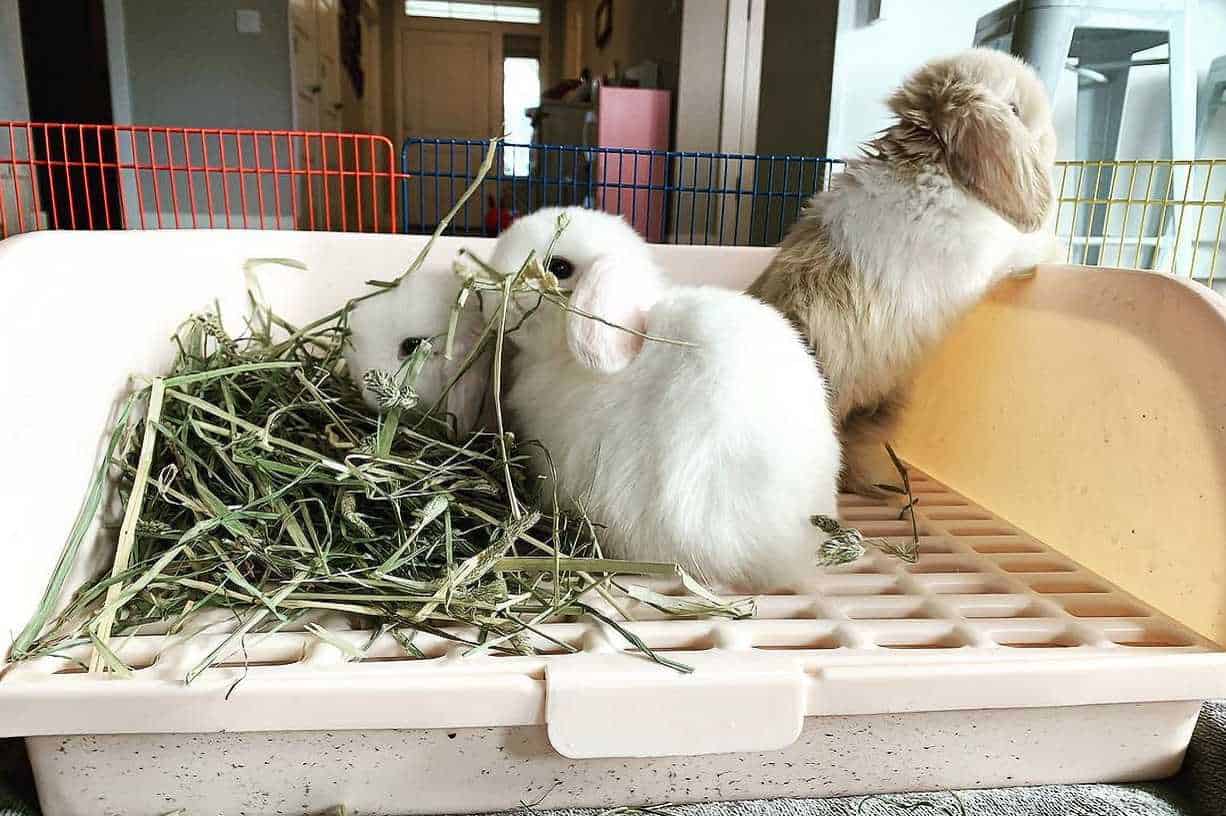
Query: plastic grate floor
point(980, 588)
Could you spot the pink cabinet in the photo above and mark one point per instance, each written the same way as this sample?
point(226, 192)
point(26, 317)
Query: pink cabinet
point(632, 183)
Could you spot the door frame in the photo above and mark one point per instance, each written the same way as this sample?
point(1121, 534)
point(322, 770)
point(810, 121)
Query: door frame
point(721, 74)
point(117, 59)
point(497, 30)
point(372, 58)
point(294, 78)
point(742, 76)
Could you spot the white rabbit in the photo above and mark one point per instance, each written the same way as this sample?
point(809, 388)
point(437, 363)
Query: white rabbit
point(713, 454)
point(952, 196)
point(389, 326)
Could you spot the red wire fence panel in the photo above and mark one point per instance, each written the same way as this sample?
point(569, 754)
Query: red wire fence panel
point(77, 176)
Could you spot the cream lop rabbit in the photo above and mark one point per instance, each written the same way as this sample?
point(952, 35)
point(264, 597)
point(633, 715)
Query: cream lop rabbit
point(953, 195)
point(713, 454)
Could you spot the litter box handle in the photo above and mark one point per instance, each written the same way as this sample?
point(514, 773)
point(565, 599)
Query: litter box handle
point(604, 706)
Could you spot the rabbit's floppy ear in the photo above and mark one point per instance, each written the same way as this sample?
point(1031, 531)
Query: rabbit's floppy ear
point(614, 291)
point(988, 150)
point(992, 154)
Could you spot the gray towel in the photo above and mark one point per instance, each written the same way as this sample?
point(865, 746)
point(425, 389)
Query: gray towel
point(1054, 800)
point(16, 781)
point(1203, 778)
point(12, 805)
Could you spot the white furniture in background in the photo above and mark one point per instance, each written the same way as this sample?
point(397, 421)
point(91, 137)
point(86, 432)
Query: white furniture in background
point(1097, 43)
point(564, 123)
point(1215, 90)
point(1102, 36)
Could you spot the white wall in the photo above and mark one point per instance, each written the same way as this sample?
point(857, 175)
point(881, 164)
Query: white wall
point(1211, 43)
point(13, 101)
point(870, 59)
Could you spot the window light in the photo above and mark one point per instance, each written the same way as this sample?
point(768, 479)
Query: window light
point(494, 12)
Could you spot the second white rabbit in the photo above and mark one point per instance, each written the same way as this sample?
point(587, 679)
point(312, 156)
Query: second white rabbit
point(713, 452)
point(388, 328)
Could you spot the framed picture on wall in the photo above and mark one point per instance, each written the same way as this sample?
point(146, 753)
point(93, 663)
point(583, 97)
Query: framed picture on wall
point(604, 23)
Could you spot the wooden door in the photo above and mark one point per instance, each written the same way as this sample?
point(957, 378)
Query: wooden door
point(451, 88)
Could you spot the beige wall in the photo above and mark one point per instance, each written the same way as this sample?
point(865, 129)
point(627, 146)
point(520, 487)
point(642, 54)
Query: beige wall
point(642, 30)
point(553, 42)
point(700, 93)
point(793, 102)
point(389, 33)
point(353, 117)
point(797, 61)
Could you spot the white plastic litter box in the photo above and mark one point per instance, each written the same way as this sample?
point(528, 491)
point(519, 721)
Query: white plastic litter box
point(1068, 445)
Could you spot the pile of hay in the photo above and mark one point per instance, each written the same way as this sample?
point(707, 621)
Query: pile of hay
point(257, 481)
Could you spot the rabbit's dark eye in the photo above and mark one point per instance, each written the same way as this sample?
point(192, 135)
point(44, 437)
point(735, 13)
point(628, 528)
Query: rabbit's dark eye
point(561, 268)
point(1013, 107)
point(409, 345)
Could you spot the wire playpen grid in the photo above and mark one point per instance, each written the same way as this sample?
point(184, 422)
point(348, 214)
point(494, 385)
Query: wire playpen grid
point(82, 176)
point(678, 197)
point(1151, 214)
point(1146, 213)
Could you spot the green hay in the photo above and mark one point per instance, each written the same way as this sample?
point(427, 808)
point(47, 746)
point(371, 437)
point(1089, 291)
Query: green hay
point(260, 483)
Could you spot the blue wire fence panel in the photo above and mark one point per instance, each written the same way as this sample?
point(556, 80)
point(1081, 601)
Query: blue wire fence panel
point(669, 196)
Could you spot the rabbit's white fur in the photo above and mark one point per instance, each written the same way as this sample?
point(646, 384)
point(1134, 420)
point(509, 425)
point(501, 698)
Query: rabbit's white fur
point(951, 197)
point(714, 455)
point(925, 251)
point(420, 307)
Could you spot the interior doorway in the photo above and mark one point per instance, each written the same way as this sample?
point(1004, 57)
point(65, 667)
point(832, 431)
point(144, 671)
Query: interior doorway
point(460, 80)
point(521, 91)
point(68, 81)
